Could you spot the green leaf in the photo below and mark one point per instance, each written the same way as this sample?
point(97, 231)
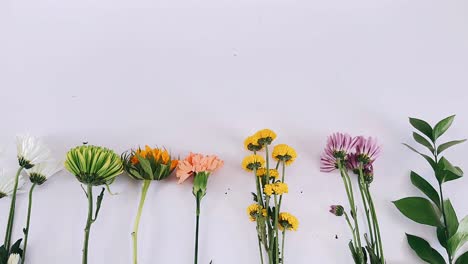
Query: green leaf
point(419, 210)
point(449, 144)
point(429, 159)
point(422, 126)
point(421, 140)
point(425, 187)
point(424, 250)
point(98, 204)
point(442, 237)
point(462, 259)
point(448, 172)
point(16, 248)
point(254, 196)
point(452, 219)
point(442, 126)
point(146, 165)
point(460, 237)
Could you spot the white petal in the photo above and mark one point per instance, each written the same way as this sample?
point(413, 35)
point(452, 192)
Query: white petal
point(13, 259)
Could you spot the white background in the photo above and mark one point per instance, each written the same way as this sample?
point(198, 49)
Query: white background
point(201, 76)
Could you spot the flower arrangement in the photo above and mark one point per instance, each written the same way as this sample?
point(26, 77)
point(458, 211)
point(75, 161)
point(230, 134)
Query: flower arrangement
point(146, 165)
point(93, 166)
point(356, 154)
point(31, 152)
point(435, 210)
point(199, 167)
point(270, 188)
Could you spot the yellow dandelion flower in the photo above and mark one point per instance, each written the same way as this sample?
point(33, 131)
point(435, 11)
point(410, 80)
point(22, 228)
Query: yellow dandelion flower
point(277, 188)
point(287, 221)
point(251, 143)
point(283, 152)
point(253, 162)
point(254, 210)
point(265, 136)
point(263, 172)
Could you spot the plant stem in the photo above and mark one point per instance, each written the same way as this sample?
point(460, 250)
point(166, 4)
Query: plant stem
point(11, 216)
point(282, 180)
point(144, 191)
point(350, 194)
point(260, 249)
point(366, 208)
point(27, 223)
point(282, 246)
point(442, 205)
point(89, 222)
point(350, 226)
point(270, 231)
point(197, 228)
point(276, 230)
point(445, 221)
point(376, 223)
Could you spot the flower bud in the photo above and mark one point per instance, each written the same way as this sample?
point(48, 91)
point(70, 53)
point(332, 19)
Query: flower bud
point(337, 210)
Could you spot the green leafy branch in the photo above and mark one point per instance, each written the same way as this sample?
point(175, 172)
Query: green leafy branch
point(435, 210)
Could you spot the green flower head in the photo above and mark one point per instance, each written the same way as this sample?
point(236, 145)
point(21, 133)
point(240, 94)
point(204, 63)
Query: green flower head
point(93, 165)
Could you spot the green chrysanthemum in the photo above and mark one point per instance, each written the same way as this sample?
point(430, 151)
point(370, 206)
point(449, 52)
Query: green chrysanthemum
point(93, 165)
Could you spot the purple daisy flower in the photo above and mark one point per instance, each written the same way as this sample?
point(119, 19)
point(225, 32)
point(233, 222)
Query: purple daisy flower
point(337, 148)
point(367, 150)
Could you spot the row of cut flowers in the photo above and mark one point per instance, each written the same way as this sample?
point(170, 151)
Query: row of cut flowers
point(95, 166)
point(352, 157)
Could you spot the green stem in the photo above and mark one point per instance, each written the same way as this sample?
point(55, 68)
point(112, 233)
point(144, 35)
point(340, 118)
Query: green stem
point(282, 180)
point(350, 194)
point(366, 208)
point(270, 231)
point(350, 226)
point(276, 230)
point(450, 257)
point(282, 246)
point(270, 228)
point(197, 228)
point(89, 222)
point(144, 191)
point(26, 234)
point(11, 216)
point(260, 248)
point(376, 223)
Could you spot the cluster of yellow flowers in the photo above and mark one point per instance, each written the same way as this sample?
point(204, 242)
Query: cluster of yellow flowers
point(288, 221)
point(277, 188)
point(270, 187)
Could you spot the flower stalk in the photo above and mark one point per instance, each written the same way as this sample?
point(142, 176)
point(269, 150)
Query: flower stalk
point(28, 220)
point(144, 191)
point(11, 215)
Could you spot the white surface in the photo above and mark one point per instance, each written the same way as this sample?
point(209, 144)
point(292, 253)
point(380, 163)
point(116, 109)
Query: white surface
point(201, 76)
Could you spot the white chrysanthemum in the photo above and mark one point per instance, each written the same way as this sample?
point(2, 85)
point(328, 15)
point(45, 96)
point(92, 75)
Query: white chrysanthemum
point(43, 171)
point(13, 259)
point(7, 182)
point(31, 151)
